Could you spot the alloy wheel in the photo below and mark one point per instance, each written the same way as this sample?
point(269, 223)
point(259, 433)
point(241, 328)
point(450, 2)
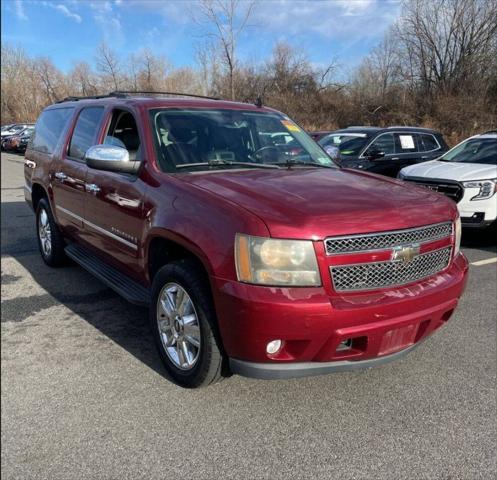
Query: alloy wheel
point(178, 325)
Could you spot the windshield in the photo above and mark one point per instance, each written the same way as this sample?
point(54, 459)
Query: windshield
point(198, 139)
point(476, 150)
point(348, 143)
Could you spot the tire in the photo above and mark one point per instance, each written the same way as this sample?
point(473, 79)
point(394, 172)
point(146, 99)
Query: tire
point(50, 240)
point(181, 316)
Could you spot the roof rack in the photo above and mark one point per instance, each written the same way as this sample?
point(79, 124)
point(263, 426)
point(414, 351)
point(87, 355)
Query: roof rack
point(410, 128)
point(130, 93)
point(126, 94)
point(489, 131)
point(90, 97)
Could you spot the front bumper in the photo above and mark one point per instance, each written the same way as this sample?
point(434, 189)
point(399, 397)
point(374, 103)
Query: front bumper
point(314, 325)
point(280, 371)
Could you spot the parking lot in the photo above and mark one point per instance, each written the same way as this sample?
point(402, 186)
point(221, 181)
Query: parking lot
point(84, 393)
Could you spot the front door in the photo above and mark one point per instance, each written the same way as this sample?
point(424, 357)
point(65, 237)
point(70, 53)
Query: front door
point(114, 217)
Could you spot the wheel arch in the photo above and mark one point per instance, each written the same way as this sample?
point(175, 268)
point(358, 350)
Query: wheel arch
point(162, 249)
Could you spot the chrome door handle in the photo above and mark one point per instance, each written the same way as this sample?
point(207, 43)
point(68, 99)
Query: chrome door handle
point(60, 176)
point(395, 158)
point(92, 188)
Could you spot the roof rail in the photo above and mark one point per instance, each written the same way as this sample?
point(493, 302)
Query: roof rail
point(360, 126)
point(489, 131)
point(91, 97)
point(126, 94)
point(411, 128)
point(129, 93)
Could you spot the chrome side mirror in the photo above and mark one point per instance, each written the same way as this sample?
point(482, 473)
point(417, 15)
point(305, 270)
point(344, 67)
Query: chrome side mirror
point(110, 158)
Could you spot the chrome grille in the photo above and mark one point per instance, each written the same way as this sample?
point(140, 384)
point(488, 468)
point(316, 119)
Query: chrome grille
point(453, 190)
point(368, 276)
point(385, 240)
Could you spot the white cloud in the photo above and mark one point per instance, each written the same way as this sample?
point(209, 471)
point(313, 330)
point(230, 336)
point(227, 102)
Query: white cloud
point(66, 12)
point(19, 9)
point(101, 6)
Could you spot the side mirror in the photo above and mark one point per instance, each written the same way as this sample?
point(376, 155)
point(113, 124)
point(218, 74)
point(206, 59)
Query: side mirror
point(111, 159)
point(375, 155)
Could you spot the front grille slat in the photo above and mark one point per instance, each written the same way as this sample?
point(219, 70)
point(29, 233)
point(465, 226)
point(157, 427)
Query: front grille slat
point(452, 190)
point(386, 240)
point(369, 276)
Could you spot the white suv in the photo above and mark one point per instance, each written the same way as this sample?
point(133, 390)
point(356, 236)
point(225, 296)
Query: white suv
point(468, 174)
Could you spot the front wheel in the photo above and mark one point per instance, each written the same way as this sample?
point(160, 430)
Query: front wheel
point(184, 326)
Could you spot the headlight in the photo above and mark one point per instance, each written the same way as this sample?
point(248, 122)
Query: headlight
point(457, 235)
point(401, 175)
point(269, 261)
point(487, 188)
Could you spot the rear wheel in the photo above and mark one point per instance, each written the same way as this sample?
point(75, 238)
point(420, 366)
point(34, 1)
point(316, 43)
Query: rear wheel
point(183, 324)
point(50, 241)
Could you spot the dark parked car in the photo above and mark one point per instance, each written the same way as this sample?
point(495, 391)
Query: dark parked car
point(383, 150)
point(19, 142)
point(253, 251)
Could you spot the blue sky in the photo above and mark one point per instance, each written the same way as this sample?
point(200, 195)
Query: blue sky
point(68, 31)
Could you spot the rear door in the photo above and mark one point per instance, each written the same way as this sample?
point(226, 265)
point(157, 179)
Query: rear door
point(69, 172)
point(429, 147)
point(407, 150)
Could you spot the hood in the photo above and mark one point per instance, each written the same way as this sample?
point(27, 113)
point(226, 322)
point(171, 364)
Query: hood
point(316, 203)
point(451, 171)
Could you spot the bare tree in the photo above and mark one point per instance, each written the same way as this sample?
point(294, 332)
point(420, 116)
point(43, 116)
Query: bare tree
point(82, 80)
point(226, 20)
point(447, 43)
point(109, 66)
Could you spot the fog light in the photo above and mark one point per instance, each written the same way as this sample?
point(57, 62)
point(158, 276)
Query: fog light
point(273, 346)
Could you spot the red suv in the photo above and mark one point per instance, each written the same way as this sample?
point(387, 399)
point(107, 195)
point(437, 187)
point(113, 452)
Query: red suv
point(252, 258)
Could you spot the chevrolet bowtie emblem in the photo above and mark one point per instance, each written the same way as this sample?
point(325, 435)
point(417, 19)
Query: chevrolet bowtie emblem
point(405, 253)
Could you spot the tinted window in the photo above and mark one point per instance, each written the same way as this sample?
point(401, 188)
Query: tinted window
point(49, 128)
point(428, 143)
point(85, 131)
point(384, 143)
point(406, 142)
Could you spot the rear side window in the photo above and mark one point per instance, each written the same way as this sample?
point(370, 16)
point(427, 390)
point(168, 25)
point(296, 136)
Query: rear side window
point(49, 128)
point(428, 143)
point(406, 142)
point(85, 131)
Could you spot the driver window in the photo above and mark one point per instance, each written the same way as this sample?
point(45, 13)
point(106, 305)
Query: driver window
point(123, 133)
point(384, 143)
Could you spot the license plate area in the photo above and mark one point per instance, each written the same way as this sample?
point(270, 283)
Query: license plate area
point(397, 339)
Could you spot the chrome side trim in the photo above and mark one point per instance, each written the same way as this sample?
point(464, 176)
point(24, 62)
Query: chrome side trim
point(103, 231)
point(68, 212)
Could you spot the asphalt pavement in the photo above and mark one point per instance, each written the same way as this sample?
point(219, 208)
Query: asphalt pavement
point(84, 394)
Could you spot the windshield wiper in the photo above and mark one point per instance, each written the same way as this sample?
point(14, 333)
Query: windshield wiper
point(291, 162)
point(219, 162)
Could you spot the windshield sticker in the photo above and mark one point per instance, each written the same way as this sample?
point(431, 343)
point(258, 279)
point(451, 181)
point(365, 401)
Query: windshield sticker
point(290, 126)
point(406, 142)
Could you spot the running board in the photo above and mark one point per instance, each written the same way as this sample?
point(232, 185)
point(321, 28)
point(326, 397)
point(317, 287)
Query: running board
point(131, 290)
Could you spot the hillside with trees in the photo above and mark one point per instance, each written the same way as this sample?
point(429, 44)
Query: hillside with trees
point(435, 67)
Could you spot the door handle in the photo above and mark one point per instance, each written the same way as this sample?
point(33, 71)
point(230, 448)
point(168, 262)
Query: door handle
point(92, 188)
point(424, 158)
point(394, 158)
point(60, 176)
